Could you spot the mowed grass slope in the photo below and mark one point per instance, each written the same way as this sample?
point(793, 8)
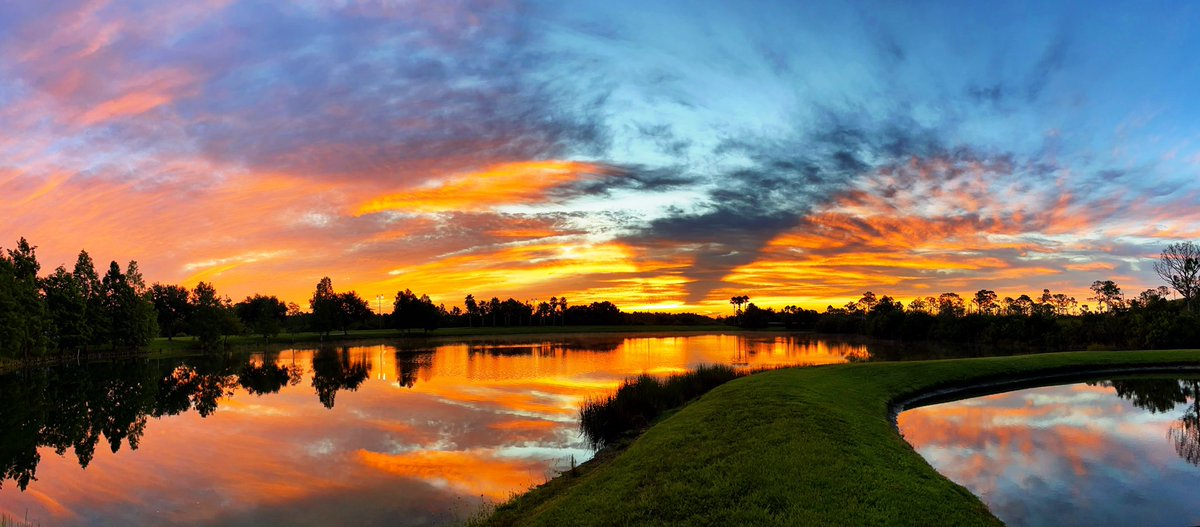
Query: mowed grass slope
point(803, 446)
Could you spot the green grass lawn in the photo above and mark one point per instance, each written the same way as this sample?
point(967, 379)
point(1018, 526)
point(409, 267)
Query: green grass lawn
point(802, 446)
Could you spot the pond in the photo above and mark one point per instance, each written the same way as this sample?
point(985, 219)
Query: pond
point(1109, 452)
point(356, 435)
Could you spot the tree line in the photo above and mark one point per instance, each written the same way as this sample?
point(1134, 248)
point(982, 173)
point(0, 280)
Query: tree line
point(70, 310)
point(1151, 319)
point(78, 311)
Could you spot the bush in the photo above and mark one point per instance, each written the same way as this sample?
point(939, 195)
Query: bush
point(642, 399)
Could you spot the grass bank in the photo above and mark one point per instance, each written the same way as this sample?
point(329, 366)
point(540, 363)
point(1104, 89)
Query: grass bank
point(803, 446)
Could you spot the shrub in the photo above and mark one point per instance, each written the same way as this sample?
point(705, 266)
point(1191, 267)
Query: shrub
point(642, 399)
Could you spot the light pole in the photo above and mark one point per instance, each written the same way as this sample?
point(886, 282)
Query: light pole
point(379, 302)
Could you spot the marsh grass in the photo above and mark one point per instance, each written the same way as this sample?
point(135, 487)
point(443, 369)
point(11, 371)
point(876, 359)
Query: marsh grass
point(9, 521)
point(640, 400)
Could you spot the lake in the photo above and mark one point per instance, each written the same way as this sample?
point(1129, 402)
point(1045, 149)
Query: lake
point(1110, 452)
point(404, 434)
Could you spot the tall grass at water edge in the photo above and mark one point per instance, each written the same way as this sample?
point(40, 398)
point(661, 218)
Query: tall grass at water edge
point(642, 399)
point(9, 521)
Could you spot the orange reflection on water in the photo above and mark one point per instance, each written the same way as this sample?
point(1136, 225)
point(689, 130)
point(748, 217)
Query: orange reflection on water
point(472, 473)
point(1066, 434)
point(381, 433)
point(1065, 455)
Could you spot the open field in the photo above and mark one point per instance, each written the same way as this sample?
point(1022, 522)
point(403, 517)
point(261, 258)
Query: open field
point(803, 446)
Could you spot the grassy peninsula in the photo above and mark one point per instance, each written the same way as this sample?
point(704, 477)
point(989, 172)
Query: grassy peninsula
point(802, 446)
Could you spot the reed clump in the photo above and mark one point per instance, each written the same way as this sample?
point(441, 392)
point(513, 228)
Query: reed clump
point(9, 521)
point(642, 399)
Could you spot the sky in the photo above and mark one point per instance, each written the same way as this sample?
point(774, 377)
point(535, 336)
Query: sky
point(664, 155)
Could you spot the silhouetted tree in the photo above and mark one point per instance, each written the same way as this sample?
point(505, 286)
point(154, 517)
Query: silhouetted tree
point(129, 317)
point(950, 304)
point(66, 307)
point(296, 319)
point(738, 301)
point(513, 311)
point(919, 304)
point(985, 302)
point(325, 307)
point(867, 302)
point(1151, 298)
point(543, 311)
point(412, 312)
point(1022, 306)
point(596, 313)
point(210, 316)
point(1107, 295)
point(22, 310)
point(351, 310)
point(262, 315)
point(756, 317)
point(1063, 304)
point(493, 309)
point(798, 318)
point(145, 320)
point(171, 307)
point(89, 280)
point(472, 309)
point(1179, 266)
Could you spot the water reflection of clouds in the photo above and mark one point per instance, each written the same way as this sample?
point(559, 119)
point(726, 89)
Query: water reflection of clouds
point(418, 439)
point(1058, 455)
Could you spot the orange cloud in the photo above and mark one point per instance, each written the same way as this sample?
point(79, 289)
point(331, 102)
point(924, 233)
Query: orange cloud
point(122, 106)
point(508, 184)
point(932, 225)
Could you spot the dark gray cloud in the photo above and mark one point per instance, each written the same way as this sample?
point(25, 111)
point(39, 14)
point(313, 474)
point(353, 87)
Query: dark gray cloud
point(625, 177)
point(787, 179)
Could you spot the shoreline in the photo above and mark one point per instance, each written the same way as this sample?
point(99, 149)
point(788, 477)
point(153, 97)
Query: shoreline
point(801, 446)
point(161, 348)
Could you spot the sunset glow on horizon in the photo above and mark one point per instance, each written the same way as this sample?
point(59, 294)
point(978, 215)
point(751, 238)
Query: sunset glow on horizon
point(663, 159)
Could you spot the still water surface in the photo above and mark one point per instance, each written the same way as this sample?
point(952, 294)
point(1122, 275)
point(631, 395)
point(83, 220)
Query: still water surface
point(1114, 452)
point(359, 435)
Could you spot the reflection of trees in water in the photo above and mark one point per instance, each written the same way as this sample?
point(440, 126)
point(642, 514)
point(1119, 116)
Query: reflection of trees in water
point(261, 379)
point(409, 365)
point(503, 348)
point(333, 371)
point(1163, 395)
point(75, 407)
point(1185, 433)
